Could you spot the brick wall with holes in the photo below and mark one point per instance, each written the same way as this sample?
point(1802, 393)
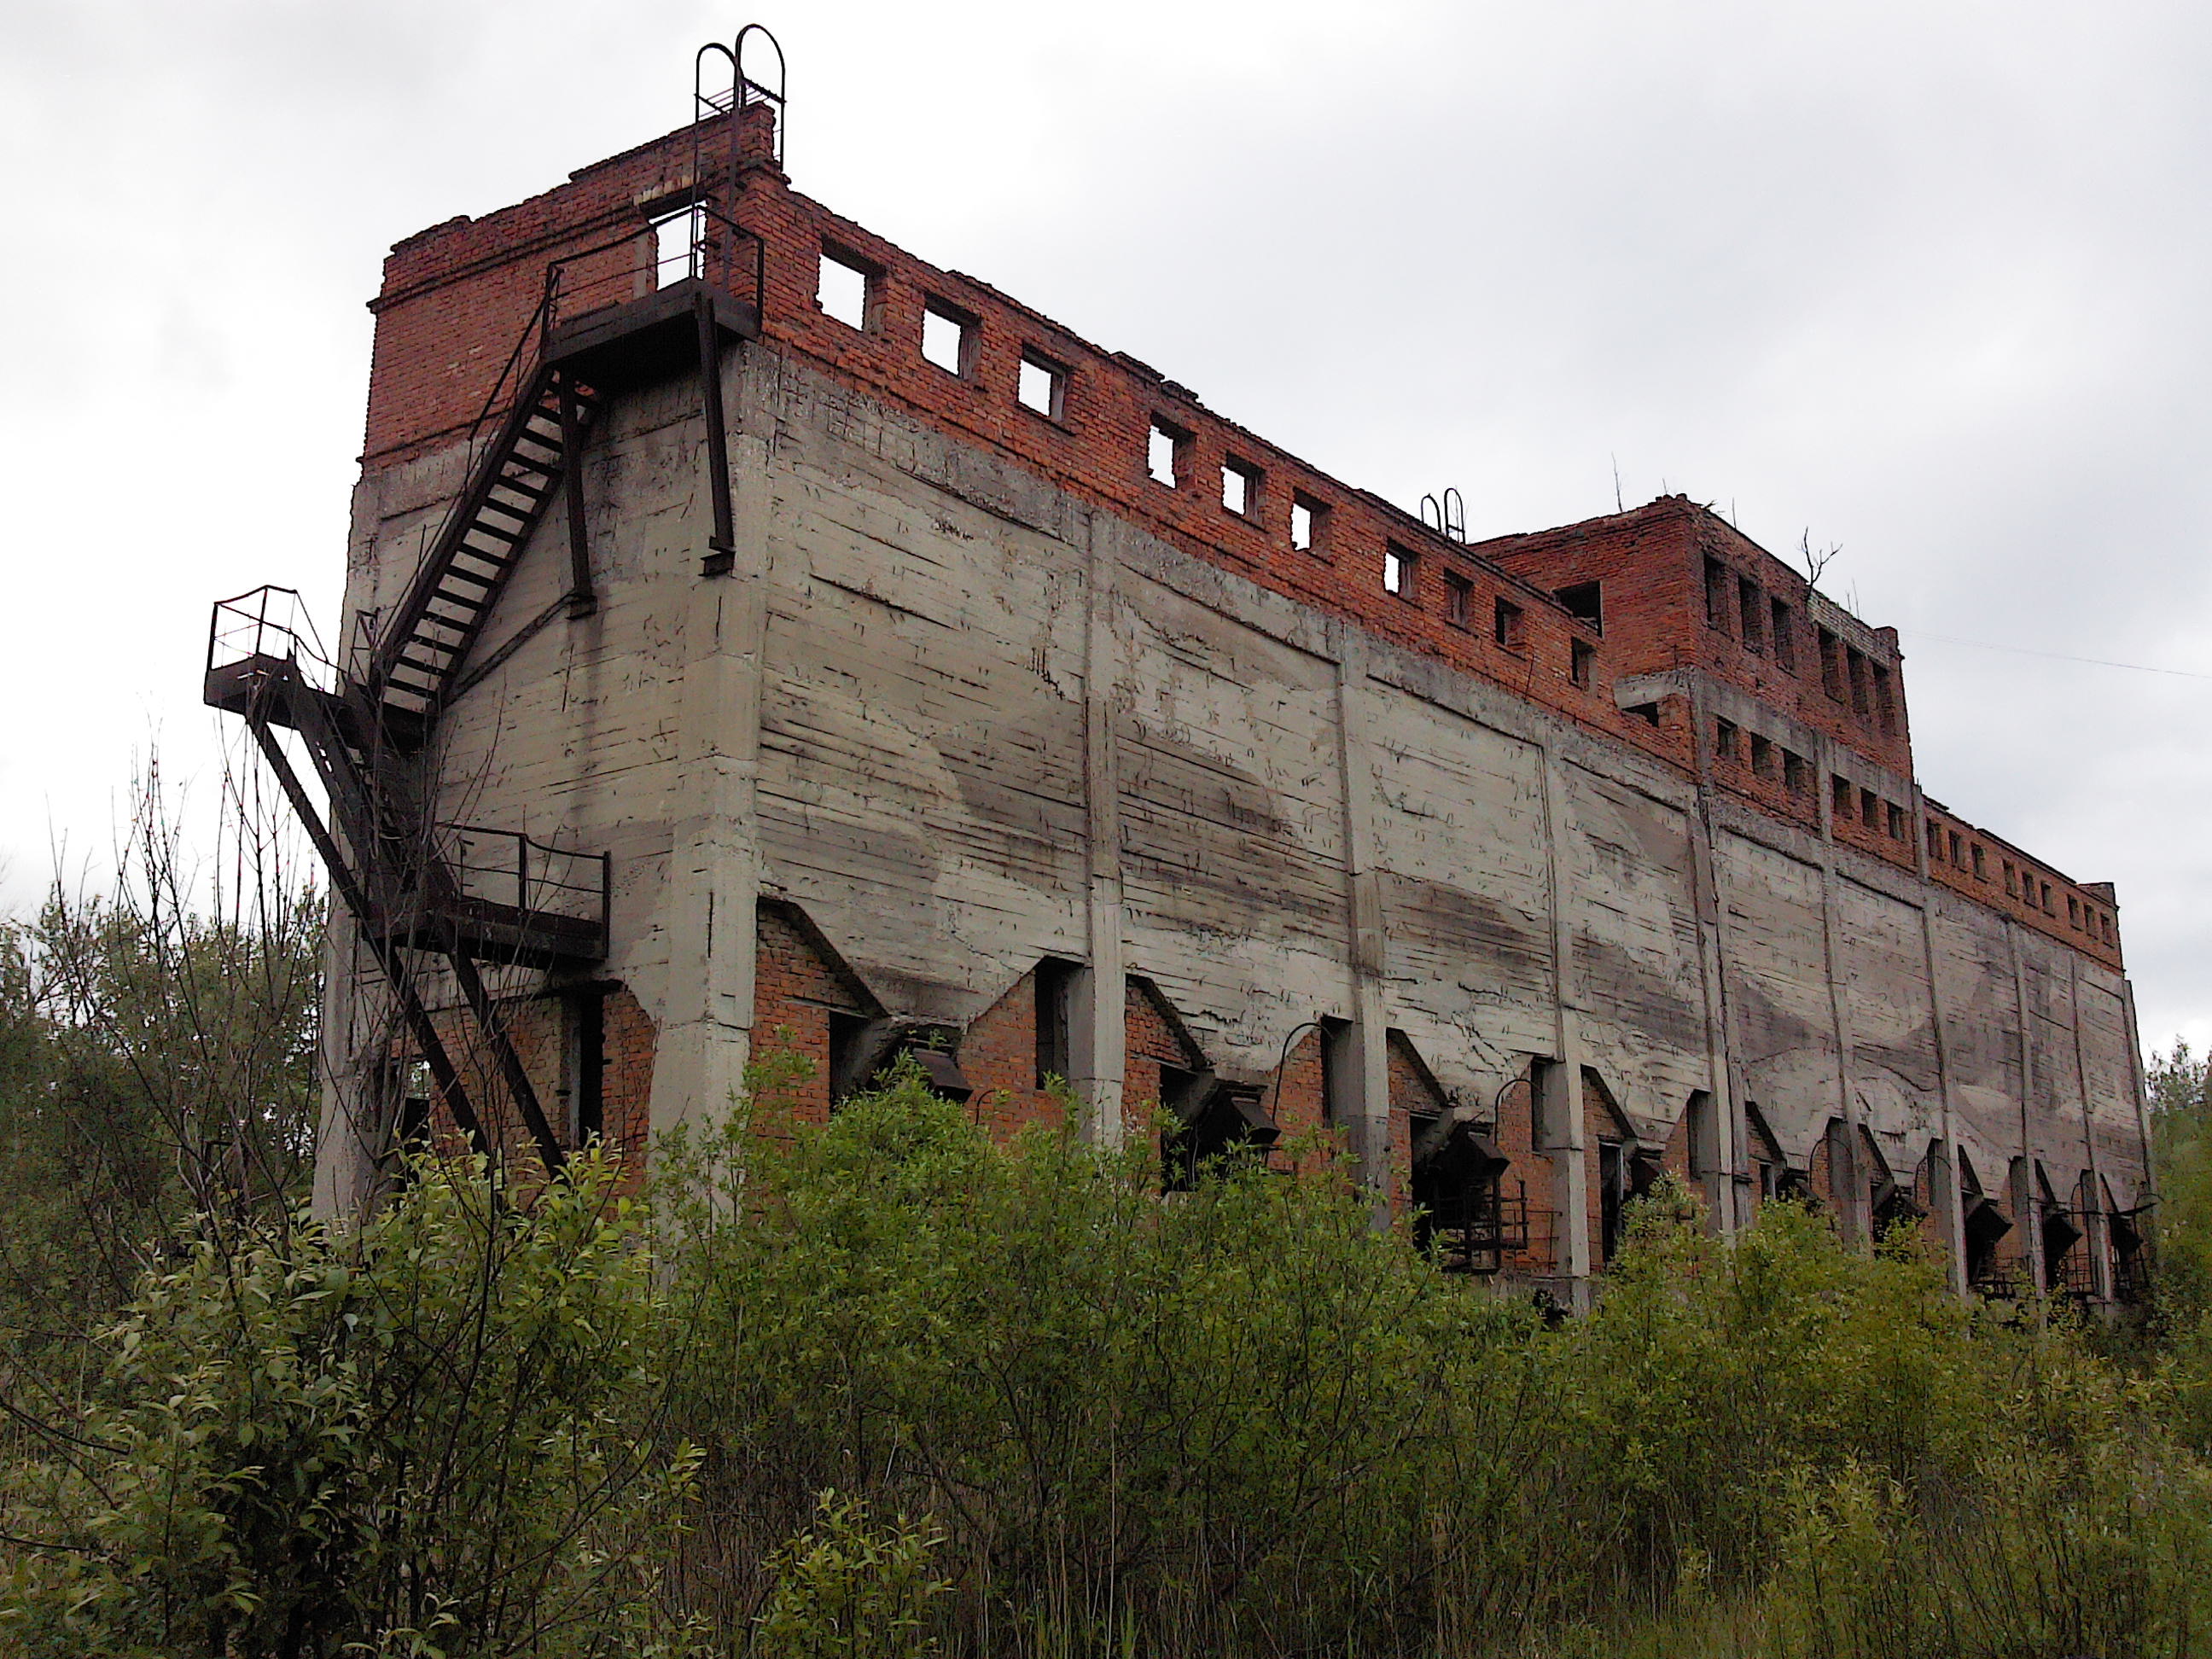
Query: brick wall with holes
point(795, 991)
point(457, 296)
point(999, 1057)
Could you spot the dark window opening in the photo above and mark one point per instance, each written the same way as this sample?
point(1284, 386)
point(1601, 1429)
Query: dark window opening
point(1750, 602)
point(2049, 908)
point(1885, 702)
point(2129, 1280)
point(1612, 1194)
point(1985, 1225)
point(1779, 628)
point(1041, 386)
point(1981, 868)
point(1340, 1087)
point(1585, 601)
point(2011, 879)
point(1840, 796)
point(1716, 578)
point(1460, 1209)
point(2073, 912)
point(1646, 712)
point(1459, 596)
point(1581, 654)
point(1934, 840)
point(1505, 624)
point(1958, 851)
point(1762, 757)
point(1796, 774)
point(1869, 809)
point(857, 1046)
point(584, 1065)
point(1831, 668)
point(1897, 831)
point(1725, 740)
point(2065, 1270)
point(1209, 1122)
point(1856, 664)
point(1056, 1009)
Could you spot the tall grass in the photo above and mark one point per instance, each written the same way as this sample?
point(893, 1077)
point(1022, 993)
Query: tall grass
point(891, 1388)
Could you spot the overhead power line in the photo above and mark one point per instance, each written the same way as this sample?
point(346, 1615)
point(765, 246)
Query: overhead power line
point(2057, 656)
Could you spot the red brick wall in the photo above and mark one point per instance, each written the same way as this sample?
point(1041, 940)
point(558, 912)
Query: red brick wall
point(998, 1055)
point(794, 992)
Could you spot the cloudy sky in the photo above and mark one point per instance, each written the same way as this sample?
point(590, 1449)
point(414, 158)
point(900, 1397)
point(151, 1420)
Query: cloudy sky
point(1928, 281)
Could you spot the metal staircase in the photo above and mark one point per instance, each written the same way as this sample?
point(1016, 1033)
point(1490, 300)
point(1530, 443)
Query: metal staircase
point(438, 623)
point(432, 901)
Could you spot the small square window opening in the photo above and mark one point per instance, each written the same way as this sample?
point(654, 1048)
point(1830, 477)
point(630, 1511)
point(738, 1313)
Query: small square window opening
point(948, 339)
point(1762, 757)
point(1505, 624)
point(1796, 776)
point(1459, 594)
point(1163, 446)
point(1043, 387)
point(1724, 739)
point(1240, 488)
point(1400, 570)
point(845, 290)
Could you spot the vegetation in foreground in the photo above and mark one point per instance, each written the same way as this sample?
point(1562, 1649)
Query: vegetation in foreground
point(885, 1387)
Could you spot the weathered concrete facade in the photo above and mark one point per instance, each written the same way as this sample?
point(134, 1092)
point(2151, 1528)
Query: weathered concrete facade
point(1605, 841)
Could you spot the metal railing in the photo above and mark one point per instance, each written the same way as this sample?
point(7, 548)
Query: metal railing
point(272, 624)
point(504, 868)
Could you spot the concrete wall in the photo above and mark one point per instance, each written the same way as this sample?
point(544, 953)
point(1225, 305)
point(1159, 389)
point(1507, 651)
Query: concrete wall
point(964, 720)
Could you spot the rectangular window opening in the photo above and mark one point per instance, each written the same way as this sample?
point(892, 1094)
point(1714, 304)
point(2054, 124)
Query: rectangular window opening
point(845, 288)
point(1779, 627)
point(2011, 879)
point(674, 238)
point(586, 1064)
point(1896, 822)
point(1751, 602)
point(1165, 447)
point(1869, 809)
point(1840, 796)
point(948, 338)
point(1400, 570)
point(1459, 597)
point(1762, 757)
point(2049, 908)
point(1832, 670)
point(1505, 624)
point(1856, 662)
point(1934, 840)
point(1958, 851)
point(1240, 488)
point(1585, 602)
point(1717, 577)
point(1885, 702)
point(1055, 1000)
point(1042, 385)
point(1646, 712)
point(1725, 740)
point(1309, 522)
point(1796, 776)
point(1981, 868)
point(1581, 656)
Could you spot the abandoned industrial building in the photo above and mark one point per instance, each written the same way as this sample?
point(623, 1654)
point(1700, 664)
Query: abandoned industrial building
point(757, 639)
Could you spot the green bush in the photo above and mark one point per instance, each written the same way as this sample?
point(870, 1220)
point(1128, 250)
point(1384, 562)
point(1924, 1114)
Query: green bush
point(1245, 1419)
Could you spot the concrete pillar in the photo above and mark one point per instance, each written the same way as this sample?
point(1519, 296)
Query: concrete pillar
point(714, 867)
point(1367, 1112)
point(352, 1121)
point(1846, 1166)
point(1559, 1110)
point(1098, 1027)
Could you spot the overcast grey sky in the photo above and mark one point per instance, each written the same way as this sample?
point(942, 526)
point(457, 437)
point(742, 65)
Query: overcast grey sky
point(1927, 281)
